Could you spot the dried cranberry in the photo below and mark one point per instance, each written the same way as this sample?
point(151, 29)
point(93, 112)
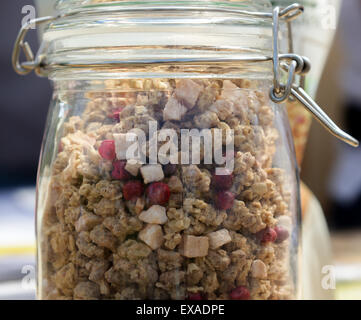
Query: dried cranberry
point(195, 296)
point(158, 193)
point(267, 235)
point(222, 179)
point(107, 150)
point(119, 171)
point(133, 190)
point(115, 114)
point(224, 200)
point(239, 293)
point(169, 169)
point(282, 234)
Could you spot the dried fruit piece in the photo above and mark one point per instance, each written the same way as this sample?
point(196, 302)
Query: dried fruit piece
point(267, 235)
point(193, 247)
point(107, 150)
point(119, 172)
point(195, 296)
point(133, 190)
point(239, 293)
point(155, 215)
point(224, 200)
point(115, 114)
point(158, 193)
point(133, 167)
point(259, 269)
point(175, 184)
point(188, 92)
point(169, 169)
point(219, 238)
point(282, 234)
point(174, 110)
point(152, 172)
point(152, 235)
point(223, 180)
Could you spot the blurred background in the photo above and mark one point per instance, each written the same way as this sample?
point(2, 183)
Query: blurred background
point(330, 169)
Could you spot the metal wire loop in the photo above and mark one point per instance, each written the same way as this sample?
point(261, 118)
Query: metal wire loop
point(285, 90)
point(31, 63)
point(291, 12)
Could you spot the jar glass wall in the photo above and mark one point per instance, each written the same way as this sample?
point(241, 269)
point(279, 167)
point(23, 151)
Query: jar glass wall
point(112, 228)
point(169, 177)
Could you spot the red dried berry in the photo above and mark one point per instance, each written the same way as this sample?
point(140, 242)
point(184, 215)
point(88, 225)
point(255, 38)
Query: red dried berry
point(107, 150)
point(222, 179)
point(158, 193)
point(115, 114)
point(282, 234)
point(267, 235)
point(60, 147)
point(195, 296)
point(239, 293)
point(119, 172)
point(133, 190)
point(224, 200)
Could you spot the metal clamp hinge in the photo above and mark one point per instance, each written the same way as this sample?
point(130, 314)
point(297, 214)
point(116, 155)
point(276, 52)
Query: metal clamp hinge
point(295, 65)
point(32, 62)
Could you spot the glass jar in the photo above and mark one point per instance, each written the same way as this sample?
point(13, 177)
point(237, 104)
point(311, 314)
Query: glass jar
point(166, 170)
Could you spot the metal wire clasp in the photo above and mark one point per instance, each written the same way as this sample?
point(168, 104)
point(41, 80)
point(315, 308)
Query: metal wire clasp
point(295, 65)
point(31, 63)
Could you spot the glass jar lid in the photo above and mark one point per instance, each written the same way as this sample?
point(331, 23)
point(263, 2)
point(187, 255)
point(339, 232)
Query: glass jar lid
point(96, 33)
point(259, 5)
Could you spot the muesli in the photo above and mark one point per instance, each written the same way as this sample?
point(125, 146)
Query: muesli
point(117, 228)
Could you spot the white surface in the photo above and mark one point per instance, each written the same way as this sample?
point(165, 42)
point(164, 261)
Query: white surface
point(17, 227)
point(16, 291)
point(17, 236)
point(317, 253)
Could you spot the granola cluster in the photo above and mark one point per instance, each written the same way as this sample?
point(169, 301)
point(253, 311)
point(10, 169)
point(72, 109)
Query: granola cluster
point(115, 228)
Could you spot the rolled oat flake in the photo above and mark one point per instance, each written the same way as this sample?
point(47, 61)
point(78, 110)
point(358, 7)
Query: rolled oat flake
point(167, 169)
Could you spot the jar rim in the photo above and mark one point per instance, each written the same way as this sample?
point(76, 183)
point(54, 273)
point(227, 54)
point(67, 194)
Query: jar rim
point(71, 5)
point(126, 34)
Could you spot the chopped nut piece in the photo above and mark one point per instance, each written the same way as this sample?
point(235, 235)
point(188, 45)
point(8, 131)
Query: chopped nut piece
point(206, 120)
point(219, 238)
point(174, 110)
point(230, 92)
point(155, 215)
point(133, 167)
point(86, 222)
point(152, 235)
point(285, 221)
point(188, 92)
point(193, 247)
point(175, 184)
point(151, 173)
point(222, 108)
point(86, 291)
point(139, 205)
point(259, 269)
